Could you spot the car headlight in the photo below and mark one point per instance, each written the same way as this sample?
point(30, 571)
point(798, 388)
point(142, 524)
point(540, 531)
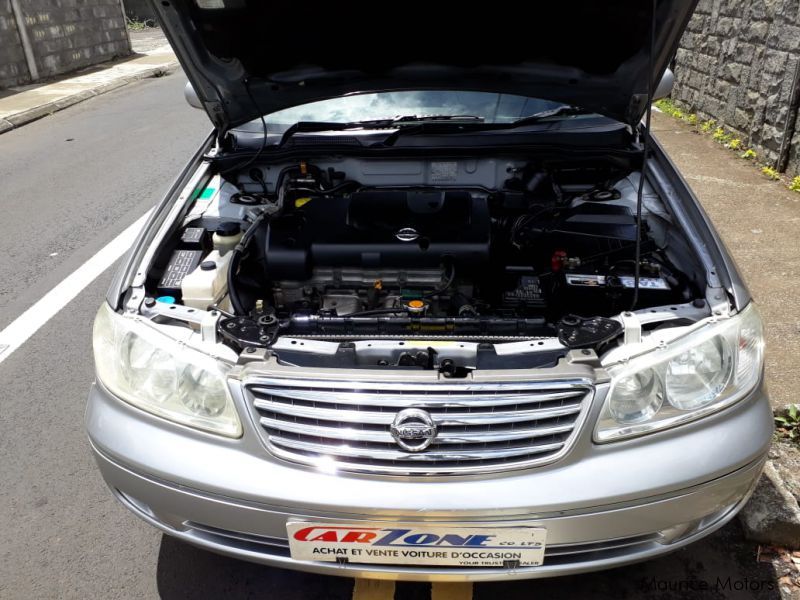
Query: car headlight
point(162, 376)
point(691, 377)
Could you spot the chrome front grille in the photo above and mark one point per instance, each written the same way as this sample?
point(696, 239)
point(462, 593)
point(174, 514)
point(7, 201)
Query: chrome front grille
point(478, 427)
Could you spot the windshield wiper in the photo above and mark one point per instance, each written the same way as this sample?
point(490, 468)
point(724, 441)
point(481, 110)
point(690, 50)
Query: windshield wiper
point(413, 124)
point(390, 123)
point(480, 125)
point(406, 120)
point(413, 119)
point(560, 111)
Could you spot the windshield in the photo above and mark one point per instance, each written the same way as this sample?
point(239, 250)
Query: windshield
point(491, 107)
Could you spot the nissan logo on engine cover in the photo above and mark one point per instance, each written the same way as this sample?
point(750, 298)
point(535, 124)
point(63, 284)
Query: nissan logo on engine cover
point(413, 429)
point(407, 234)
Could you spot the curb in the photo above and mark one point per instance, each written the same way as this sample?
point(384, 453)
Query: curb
point(772, 515)
point(48, 108)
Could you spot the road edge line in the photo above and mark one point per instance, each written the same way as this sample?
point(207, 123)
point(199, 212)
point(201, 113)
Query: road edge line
point(34, 318)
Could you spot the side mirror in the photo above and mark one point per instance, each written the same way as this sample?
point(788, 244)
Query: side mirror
point(191, 96)
point(664, 87)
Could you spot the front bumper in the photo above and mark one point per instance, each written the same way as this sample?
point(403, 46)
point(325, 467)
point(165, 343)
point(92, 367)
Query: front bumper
point(603, 506)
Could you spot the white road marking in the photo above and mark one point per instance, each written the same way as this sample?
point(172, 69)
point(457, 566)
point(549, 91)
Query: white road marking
point(29, 322)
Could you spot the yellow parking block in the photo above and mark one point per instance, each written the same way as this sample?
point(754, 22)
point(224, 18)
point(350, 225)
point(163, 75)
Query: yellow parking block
point(373, 589)
point(451, 591)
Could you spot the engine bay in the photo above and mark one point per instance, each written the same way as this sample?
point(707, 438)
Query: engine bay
point(476, 252)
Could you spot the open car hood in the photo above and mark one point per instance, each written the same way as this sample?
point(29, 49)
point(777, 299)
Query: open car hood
point(246, 58)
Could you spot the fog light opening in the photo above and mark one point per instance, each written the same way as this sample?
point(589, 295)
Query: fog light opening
point(133, 503)
point(676, 533)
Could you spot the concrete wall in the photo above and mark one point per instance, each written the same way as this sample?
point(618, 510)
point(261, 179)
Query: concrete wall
point(13, 68)
point(64, 35)
point(140, 10)
point(736, 64)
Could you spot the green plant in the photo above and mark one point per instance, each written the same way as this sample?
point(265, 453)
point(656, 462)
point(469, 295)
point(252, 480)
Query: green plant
point(665, 104)
point(770, 173)
point(136, 25)
point(749, 154)
point(734, 144)
point(720, 136)
point(795, 184)
point(788, 424)
point(707, 126)
point(668, 107)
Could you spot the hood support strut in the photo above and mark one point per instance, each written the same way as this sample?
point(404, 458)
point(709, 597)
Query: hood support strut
point(645, 151)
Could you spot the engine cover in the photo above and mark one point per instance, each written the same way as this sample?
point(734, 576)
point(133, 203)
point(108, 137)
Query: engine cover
point(378, 229)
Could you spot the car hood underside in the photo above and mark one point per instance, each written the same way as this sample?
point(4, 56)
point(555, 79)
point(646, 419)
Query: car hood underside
point(246, 58)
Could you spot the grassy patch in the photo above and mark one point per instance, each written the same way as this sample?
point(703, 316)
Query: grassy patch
point(707, 126)
point(787, 424)
point(726, 139)
point(734, 144)
point(136, 25)
point(721, 137)
point(667, 106)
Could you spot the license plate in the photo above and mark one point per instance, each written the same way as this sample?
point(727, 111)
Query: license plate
point(407, 544)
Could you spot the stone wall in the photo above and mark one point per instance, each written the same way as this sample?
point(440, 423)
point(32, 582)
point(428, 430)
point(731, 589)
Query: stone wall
point(64, 35)
point(738, 64)
point(794, 147)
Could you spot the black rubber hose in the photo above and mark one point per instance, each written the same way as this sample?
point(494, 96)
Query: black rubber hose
point(445, 287)
point(233, 267)
point(344, 185)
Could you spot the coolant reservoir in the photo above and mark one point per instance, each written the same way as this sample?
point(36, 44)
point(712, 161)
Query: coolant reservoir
point(208, 283)
point(227, 235)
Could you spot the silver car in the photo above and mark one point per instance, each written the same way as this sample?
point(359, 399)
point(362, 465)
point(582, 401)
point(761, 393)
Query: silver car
point(429, 307)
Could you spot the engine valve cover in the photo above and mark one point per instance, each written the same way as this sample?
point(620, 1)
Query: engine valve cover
point(378, 229)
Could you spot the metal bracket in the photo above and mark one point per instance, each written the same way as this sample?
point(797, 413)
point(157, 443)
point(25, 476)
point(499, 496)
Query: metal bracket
point(303, 345)
point(135, 301)
point(464, 352)
point(632, 328)
point(529, 346)
point(718, 302)
point(173, 311)
point(252, 354)
point(208, 326)
point(205, 320)
point(672, 312)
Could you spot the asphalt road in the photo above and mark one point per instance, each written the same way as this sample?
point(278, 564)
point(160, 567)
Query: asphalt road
point(70, 183)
